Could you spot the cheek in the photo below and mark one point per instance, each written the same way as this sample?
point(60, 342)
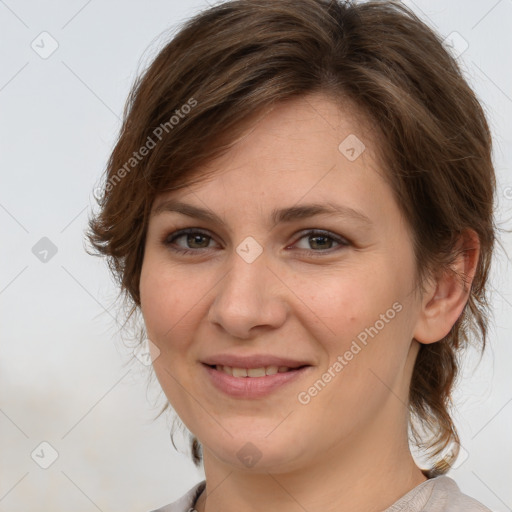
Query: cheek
point(359, 319)
point(154, 298)
point(342, 304)
point(163, 303)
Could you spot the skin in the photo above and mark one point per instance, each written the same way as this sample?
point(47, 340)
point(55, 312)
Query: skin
point(347, 448)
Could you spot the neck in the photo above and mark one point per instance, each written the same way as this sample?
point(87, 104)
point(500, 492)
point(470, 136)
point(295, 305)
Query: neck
point(348, 478)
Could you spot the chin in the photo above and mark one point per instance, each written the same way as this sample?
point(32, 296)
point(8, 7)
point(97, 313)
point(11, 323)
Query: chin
point(258, 454)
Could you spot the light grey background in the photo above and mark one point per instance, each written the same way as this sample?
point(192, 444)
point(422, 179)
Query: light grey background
point(66, 377)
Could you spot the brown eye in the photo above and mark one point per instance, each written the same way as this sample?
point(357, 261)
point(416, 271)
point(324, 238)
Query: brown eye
point(193, 238)
point(319, 241)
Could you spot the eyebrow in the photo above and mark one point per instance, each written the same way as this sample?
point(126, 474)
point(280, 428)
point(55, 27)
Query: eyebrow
point(282, 215)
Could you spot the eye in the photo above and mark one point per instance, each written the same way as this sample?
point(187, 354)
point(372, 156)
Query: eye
point(194, 240)
point(319, 241)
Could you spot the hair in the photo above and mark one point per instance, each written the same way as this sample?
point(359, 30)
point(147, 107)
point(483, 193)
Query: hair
point(234, 61)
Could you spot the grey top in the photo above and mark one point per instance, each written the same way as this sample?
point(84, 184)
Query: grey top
point(439, 494)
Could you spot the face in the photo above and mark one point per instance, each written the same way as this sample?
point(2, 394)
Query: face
point(296, 259)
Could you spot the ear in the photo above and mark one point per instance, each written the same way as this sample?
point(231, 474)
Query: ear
point(447, 294)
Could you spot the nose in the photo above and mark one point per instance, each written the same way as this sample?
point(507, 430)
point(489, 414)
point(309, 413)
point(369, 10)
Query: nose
point(249, 298)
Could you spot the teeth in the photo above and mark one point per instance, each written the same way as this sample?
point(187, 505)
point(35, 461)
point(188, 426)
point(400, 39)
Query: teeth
point(238, 372)
point(252, 372)
point(271, 370)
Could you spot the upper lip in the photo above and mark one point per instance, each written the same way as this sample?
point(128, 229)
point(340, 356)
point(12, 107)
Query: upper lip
point(253, 361)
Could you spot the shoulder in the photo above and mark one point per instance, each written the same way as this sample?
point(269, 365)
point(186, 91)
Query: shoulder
point(186, 502)
point(447, 497)
point(439, 494)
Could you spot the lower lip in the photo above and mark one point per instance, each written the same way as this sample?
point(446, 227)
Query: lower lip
point(252, 387)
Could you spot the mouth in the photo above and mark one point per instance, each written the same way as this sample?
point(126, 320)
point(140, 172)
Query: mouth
point(261, 371)
point(253, 382)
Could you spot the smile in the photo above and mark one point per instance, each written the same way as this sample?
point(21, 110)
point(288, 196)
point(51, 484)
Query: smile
point(252, 383)
point(252, 372)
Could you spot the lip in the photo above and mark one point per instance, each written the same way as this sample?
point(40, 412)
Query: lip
point(253, 361)
point(252, 387)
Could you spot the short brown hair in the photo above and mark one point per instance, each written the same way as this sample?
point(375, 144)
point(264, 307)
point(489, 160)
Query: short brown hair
point(235, 60)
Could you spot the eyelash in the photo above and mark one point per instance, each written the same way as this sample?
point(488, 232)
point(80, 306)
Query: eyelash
point(169, 239)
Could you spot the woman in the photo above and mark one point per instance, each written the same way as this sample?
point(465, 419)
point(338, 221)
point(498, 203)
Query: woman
point(300, 205)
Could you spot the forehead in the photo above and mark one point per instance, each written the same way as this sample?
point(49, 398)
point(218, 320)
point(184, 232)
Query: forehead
point(307, 145)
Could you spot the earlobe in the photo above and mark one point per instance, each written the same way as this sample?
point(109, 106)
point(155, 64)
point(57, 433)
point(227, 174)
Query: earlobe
point(447, 295)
